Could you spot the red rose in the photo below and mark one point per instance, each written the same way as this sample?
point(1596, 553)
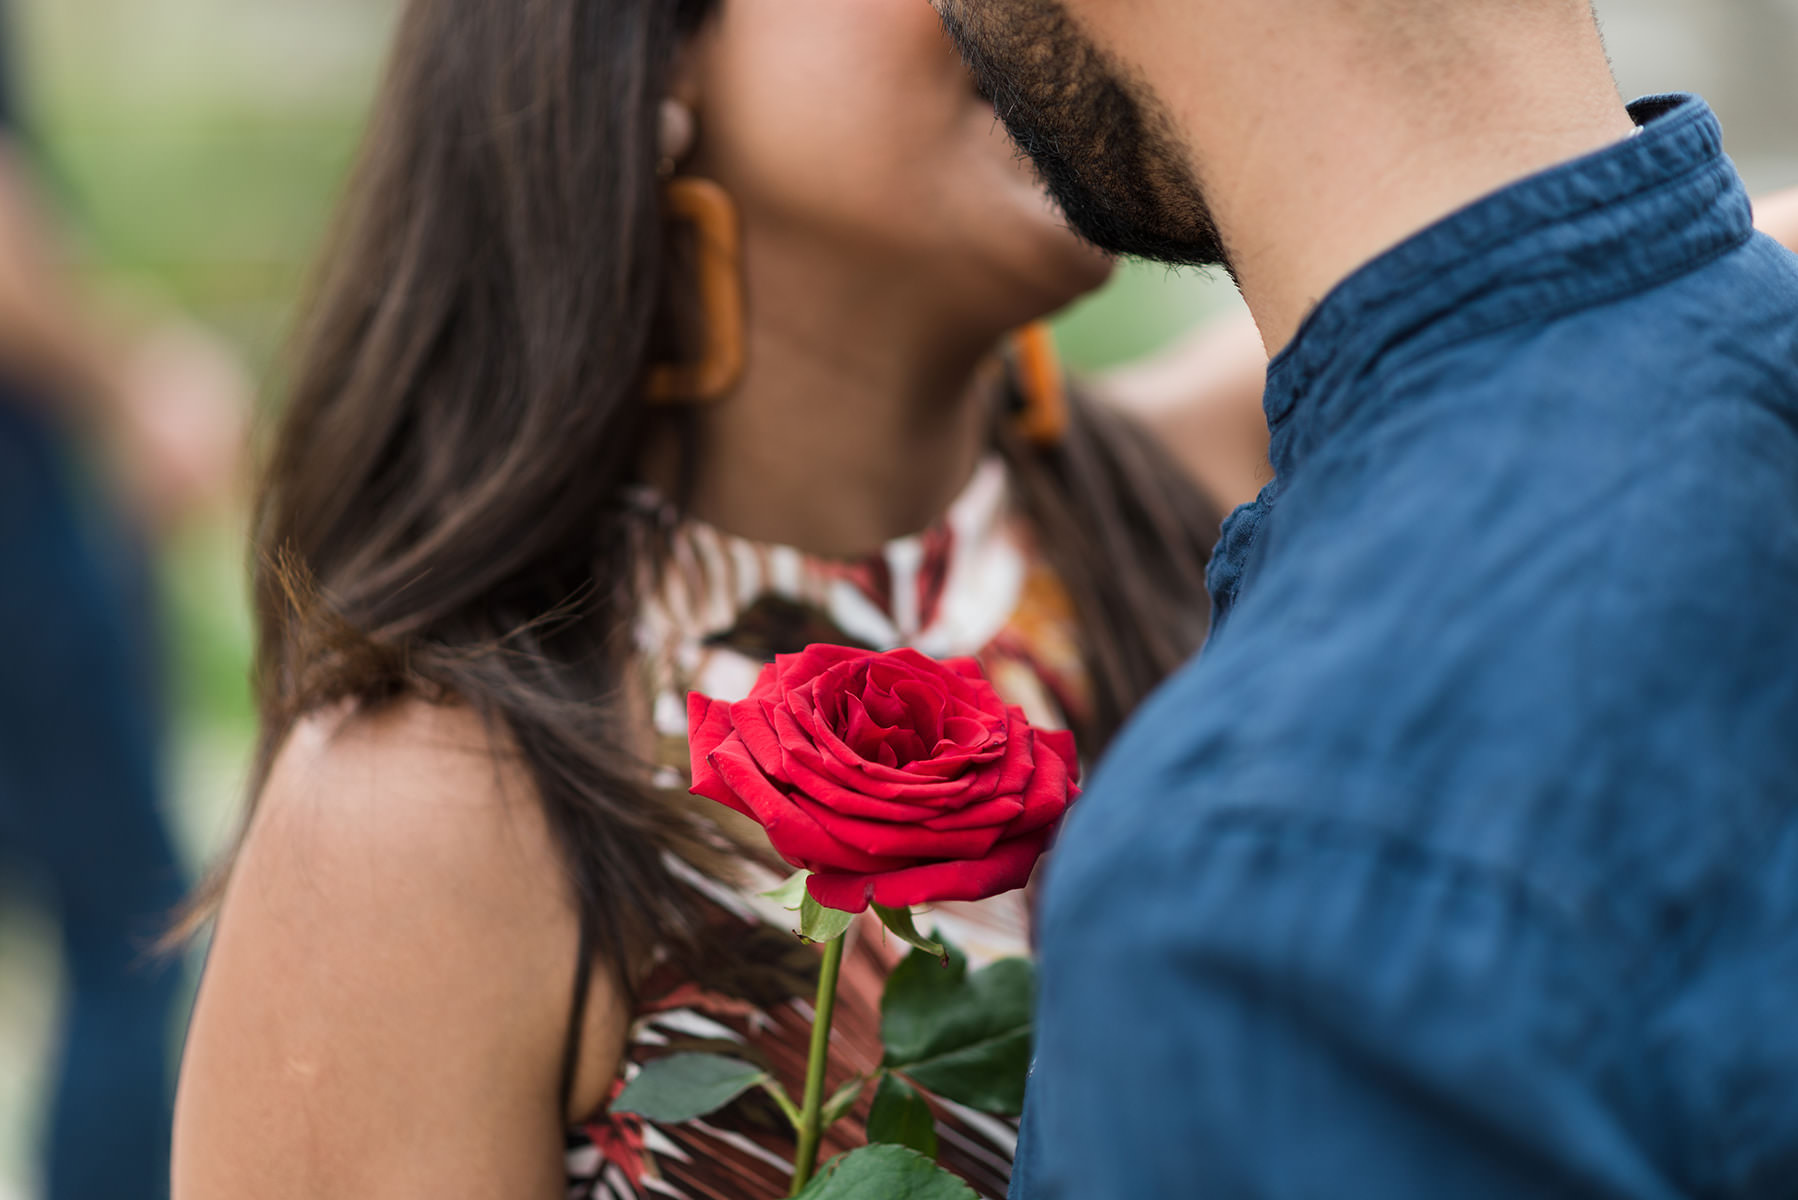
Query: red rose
point(891, 777)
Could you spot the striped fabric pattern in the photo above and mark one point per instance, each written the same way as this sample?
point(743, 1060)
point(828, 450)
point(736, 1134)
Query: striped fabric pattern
point(972, 585)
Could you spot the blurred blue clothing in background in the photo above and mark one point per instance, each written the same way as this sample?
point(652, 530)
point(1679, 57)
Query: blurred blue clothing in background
point(80, 803)
point(1464, 861)
point(80, 815)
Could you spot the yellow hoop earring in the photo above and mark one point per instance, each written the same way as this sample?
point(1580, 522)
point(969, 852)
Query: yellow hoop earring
point(709, 209)
point(1042, 414)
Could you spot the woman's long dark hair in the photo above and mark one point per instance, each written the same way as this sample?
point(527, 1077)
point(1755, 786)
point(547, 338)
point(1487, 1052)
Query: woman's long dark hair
point(443, 514)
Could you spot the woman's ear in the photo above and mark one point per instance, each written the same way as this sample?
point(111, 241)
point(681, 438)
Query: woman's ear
point(678, 127)
point(677, 130)
point(688, 70)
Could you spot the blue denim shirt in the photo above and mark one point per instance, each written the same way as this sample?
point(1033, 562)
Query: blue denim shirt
point(1464, 861)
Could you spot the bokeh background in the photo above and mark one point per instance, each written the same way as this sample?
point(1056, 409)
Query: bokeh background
point(197, 146)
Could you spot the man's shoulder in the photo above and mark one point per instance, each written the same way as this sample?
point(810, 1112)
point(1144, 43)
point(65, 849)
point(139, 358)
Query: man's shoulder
point(1541, 616)
point(1726, 332)
point(1559, 677)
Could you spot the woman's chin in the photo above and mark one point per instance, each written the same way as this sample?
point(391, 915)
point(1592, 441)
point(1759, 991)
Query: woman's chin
point(1066, 267)
point(1059, 248)
point(1094, 266)
point(1019, 234)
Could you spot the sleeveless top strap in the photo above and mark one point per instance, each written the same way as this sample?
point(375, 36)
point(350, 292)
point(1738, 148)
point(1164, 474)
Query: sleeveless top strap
point(577, 1017)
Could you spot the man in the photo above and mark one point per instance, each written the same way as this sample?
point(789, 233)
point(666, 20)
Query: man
point(1464, 862)
point(79, 714)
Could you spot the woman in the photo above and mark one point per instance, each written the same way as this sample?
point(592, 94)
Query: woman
point(532, 486)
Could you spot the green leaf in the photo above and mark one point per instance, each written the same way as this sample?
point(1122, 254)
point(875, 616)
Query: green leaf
point(820, 924)
point(683, 1086)
point(899, 923)
point(901, 1116)
point(838, 1106)
point(989, 1076)
point(962, 1035)
point(791, 894)
point(885, 1173)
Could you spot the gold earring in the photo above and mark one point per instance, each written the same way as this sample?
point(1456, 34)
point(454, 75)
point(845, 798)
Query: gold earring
point(709, 209)
point(1041, 417)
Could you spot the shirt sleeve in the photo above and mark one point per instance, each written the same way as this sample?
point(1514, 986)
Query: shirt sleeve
point(1283, 1007)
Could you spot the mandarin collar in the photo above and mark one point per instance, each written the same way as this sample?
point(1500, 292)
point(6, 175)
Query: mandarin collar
point(1599, 227)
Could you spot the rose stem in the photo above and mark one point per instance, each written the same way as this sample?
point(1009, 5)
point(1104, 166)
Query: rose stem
point(810, 1116)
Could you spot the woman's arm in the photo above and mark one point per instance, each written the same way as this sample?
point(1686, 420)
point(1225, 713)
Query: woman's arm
point(1777, 216)
point(388, 993)
point(1202, 398)
point(45, 333)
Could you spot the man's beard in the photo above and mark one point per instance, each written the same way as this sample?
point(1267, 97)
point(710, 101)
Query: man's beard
point(1107, 154)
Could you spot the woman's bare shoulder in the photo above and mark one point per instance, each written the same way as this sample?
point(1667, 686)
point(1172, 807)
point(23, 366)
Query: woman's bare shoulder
point(427, 775)
point(421, 803)
point(393, 961)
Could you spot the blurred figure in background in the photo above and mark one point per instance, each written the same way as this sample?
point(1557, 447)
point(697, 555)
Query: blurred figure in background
point(80, 714)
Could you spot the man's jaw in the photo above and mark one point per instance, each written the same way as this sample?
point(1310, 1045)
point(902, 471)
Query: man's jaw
point(1102, 146)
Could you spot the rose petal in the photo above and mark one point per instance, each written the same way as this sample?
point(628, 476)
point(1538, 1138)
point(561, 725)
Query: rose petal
point(892, 745)
point(832, 748)
point(885, 708)
point(891, 840)
point(847, 789)
point(874, 780)
point(845, 893)
point(1020, 757)
point(849, 801)
point(966, 733)
point(953, 762)
point(767, 682)
point(1006, 869)
point(1000, 811)
point(1047, 797)
point(823, 775)
point(1061, 742)
point(964, 680)
point(828, 695)
point(814, 661)
point(792, 832)
point(751, 720)
point(708, 725)
point(924, 704)
point(831, 745)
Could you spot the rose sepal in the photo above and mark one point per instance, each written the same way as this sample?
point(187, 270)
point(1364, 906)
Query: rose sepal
point(900, 924)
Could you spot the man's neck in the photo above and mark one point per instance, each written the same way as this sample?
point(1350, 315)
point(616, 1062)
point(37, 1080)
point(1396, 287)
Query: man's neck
point(1327, 146)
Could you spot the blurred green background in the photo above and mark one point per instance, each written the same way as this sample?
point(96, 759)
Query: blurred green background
point(196, 147)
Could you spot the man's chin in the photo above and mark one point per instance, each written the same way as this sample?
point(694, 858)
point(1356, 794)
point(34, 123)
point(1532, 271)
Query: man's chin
point(1105, 153)
point(1134, 226)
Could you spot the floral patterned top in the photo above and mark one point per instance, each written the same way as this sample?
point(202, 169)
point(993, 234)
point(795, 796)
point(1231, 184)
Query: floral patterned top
point(973, 585)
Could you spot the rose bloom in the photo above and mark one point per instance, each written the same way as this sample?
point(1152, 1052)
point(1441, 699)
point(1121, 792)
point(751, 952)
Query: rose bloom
point(893, 778)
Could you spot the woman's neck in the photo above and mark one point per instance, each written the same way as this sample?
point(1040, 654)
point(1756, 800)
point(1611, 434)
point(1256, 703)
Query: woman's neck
point(862, 412)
